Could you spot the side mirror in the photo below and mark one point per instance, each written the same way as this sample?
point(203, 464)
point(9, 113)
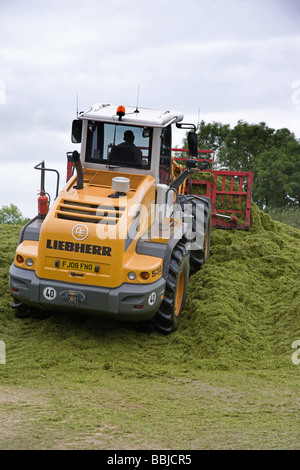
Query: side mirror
point(190, 163)
point(76, 131)
point(193, 144)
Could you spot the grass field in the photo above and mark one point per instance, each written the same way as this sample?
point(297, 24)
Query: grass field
point(225, 380)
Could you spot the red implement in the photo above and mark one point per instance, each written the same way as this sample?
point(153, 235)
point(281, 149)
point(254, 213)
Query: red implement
point(230, 193)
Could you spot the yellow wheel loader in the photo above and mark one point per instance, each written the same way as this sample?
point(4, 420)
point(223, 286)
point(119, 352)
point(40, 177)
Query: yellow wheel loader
point(123, 235)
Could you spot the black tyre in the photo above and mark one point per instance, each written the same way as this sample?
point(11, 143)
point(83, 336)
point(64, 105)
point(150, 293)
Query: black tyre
point(22, 311)
point(167, 318)
point(40, 314)
point(201, 225)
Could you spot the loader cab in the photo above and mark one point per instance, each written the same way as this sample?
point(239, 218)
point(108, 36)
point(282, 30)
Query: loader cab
point(105, 143)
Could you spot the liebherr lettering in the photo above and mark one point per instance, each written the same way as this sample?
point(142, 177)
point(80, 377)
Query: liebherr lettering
point(78, 247)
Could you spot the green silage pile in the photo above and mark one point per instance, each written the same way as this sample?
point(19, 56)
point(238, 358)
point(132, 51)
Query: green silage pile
point(224, 380)
point(243, 307)
point(242, 312)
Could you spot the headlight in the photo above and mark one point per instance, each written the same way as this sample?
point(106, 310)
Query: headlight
point(131, 276)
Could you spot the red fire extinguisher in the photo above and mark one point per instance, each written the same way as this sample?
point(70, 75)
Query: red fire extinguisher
point(43, 205)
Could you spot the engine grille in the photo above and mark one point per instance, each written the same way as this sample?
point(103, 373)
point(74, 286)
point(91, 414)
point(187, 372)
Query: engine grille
point(89, 213)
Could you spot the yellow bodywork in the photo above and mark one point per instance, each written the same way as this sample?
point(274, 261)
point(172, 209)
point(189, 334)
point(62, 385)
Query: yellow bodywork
point(84, 238)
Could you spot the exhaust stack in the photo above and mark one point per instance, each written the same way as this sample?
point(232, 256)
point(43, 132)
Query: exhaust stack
point(78, 166)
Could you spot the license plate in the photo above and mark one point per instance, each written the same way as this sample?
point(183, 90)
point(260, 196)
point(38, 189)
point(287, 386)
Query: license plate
point(77, 265)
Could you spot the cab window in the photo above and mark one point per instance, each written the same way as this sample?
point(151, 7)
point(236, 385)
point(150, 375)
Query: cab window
point(165, 155)
point(120, 145)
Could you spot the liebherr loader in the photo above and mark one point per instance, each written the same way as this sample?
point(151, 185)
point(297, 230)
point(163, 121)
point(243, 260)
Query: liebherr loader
point(123, 235)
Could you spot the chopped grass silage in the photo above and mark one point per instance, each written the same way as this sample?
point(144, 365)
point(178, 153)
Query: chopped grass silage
point(224, 380)
point(242, 312)
point(243, 309)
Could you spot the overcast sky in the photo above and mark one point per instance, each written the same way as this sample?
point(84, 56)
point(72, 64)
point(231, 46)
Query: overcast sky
point(225, 59)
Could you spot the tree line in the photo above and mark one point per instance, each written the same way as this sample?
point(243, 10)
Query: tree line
point(12, 215)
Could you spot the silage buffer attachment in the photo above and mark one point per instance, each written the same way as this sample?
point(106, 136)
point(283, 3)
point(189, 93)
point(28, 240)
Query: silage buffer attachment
point(230, 191)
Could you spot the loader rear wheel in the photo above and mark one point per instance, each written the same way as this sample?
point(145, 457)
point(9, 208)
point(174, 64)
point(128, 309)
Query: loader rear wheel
point(167, 317)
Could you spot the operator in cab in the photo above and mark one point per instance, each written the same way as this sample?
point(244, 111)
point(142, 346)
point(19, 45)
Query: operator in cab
point(127, 152)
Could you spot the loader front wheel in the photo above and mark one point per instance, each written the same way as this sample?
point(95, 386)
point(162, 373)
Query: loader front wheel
point(201, 229)
point(167, 317)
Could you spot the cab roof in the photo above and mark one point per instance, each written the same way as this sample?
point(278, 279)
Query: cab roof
point(140, 117)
